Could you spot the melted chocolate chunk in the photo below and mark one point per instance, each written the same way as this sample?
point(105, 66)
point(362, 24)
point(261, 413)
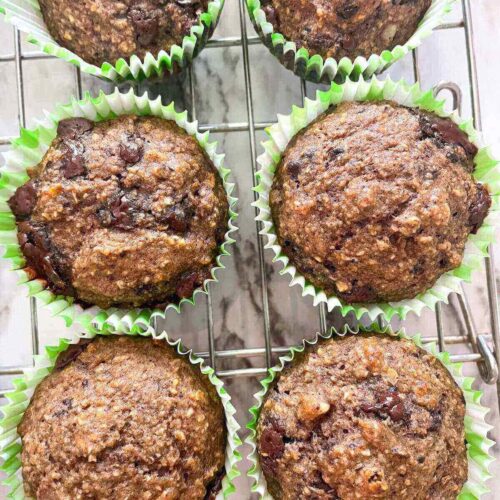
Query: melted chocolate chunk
point(479, 209)
point(23, 201)
point(271, 443)
point(436, 420)
point(73, 161)
point(187, 284)
point(72, 128)
point(120, 212)
point(145, 25)
point(334, 152)
point(348, 9)
point(215, 485)
point(359, 293)
point(71, 353)
point(448, 132)
point(177, 218)
point(131, 151)
point(388, 404)
point(293, 169)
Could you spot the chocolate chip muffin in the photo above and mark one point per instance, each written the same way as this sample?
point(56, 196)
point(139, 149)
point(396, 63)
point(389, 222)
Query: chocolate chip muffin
point(374, 201)
point(127, 212)
point(364, 416)
point(346, 28)
point(105, 30)
point(123, 417)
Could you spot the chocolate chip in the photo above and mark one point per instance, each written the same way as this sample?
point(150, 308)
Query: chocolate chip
point(436, 420)
point(334, 152)
point(23, 201)
point(347, 9)
point(187, 284)
point(420, 459)
point(293, 168)
point(271, 443)
point(359, 293)
point(68, 402)
point(330, 266)
point(145, 25)
point(348, 42)
point(73, 161)
point(388, 404)
point(120, 211)
point(448, 132)
point(177, 218)
point(72, 128)
point(131, 151)
point(71, 353)
point(479, 208)
point(215, 485)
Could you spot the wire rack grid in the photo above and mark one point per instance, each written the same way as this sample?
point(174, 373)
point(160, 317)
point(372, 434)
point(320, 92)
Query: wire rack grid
point(480, 348)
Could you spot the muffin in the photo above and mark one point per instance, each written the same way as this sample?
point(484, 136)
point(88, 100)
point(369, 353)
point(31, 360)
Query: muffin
point(364, 416)
point(105, 30)
point(123, 417)
point(373, 201)
point(127, 212)
point(345, 28)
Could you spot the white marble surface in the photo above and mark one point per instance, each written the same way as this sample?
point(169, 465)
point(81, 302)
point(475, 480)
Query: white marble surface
point(220, 97)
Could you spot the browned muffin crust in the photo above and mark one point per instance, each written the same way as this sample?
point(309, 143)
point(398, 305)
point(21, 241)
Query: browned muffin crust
point(346, 28)
point(127, 212)
point(365, 416)
point(374, 201)
point(121, 418)
point(106, 30)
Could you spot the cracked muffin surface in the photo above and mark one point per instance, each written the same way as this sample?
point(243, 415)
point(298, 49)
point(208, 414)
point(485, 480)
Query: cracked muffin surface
point(127, 212)
point(106, 30)
point(373, 202)
point(363, 416)
point(123, 418)
point(346, 28)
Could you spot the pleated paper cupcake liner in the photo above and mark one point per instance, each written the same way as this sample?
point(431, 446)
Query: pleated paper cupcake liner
point(476, 428)
point(24, 386)
point(26, 16)
point(318, 69)
point(28, 149)
point(486, 171)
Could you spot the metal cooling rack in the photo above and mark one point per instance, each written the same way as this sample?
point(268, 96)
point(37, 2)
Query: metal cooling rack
point(477, 348)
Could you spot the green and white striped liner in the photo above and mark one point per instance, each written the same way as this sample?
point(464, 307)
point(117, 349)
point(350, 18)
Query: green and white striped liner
point(476, 428)
point(26, 16)
point(317, 69)
point(24, 386)
point(486, 171)
point(28, 149)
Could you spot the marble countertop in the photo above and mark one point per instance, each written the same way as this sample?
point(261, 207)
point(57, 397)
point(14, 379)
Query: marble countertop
point(220, 97)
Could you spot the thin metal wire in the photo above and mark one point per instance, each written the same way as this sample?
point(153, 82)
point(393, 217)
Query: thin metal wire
point(260, 246)
point(210, 314)
point(476, 342)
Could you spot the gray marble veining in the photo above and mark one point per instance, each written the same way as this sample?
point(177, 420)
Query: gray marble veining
point(220, 97)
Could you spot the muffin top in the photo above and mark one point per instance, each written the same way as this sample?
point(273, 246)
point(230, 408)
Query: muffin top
point(106, 30)
point(364, 416)
point(127, 212)
point(123, 417)
point(374, 201)
point(346, 28)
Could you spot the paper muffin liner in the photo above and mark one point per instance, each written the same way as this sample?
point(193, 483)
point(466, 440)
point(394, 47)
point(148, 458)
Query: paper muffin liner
point(476, 428)
point(27, 16)
point(486, 171)
point(43, 364)
point(315, 68)
point(28, 149)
